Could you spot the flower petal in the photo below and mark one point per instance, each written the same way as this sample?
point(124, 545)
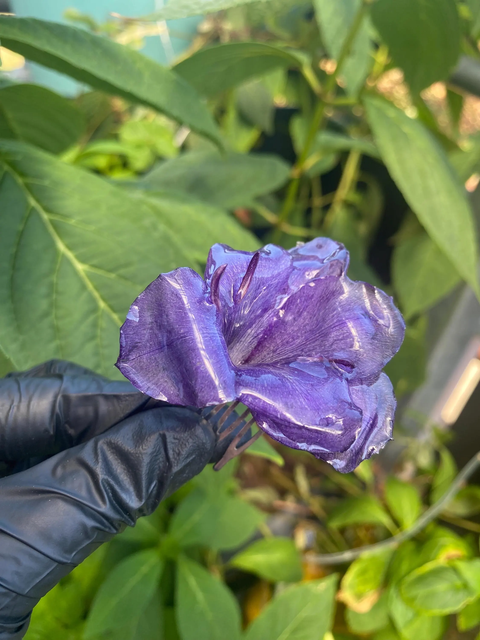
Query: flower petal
point(322, 253)
point(171, 347)
point(245, 313)
point(249, 288)
point(353, 325)
point(304, 406)
point(377, 403)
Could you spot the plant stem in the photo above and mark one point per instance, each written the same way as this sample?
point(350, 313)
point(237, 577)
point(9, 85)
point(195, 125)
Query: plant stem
point(318, 118)
point(425, 519)
point(347, 183)
point(316, 202)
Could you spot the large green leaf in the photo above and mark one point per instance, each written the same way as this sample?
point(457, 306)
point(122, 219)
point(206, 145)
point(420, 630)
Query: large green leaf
point(423, 37)
point(125, 594)
point(436, 589)
point(422, 274)
point(403, 500)
point(108, 66)
point(186, 8)
point(370, 621)
point(411, 624)
point(197, 224)
point(74, 253)
point(302, 612)
point(275, 559)
point(206, 609)
point(224, 66)
point(362, 510)
point(39, 116)
point(361, 584)
point(226, 181)
point(335, 20)
point(422, 172)
point(217, 521)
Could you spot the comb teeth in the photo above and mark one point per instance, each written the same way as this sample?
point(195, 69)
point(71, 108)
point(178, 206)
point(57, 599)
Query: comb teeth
point(233, 450)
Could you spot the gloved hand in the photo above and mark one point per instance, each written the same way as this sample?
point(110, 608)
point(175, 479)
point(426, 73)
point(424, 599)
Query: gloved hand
point(82, 458)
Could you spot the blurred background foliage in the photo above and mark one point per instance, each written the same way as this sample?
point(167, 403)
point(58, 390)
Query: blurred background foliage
point(282, 120)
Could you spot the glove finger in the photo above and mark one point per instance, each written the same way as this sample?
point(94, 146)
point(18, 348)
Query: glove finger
point(40, 416)
point(57, 513)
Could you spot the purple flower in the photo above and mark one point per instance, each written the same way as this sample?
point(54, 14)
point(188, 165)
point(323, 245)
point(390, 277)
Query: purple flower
point(285, 332)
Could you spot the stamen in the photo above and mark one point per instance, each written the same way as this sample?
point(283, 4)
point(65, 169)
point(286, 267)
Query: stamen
point(248, 277)
point(215, 284)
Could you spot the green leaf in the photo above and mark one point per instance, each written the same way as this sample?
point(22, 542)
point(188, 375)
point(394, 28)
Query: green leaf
point(39, 116)
point(474, 6)
point(263, 449)
point(275, 559)
point(407, 370)
point(422, 172)
point(256, 106)
point(217, 522)
point(125, 594)
point(196, 224)
point(469, 616)
point(227, 181)
point(151, 623)
point(154, 134)
point(446, 472)
point(111, 67)
point(403, 500)
point(422, 274)
point(443, 544)
point(74, 252)
point(186, 8)
point(466, 161)
point(301, 612)
point(404, 561)
point(410, 624)
point(371, 621)
point(417, 30)
point(388, 633)
point(335, 20)
point(224, 66)
point(362, 510)
point(470, 572)
point(361, 584)
point(206, 609)
point(436, 589)
point(6, 365)
point(466, 503)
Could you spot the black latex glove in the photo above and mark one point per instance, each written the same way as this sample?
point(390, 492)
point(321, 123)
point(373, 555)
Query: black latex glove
point(86, 457)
